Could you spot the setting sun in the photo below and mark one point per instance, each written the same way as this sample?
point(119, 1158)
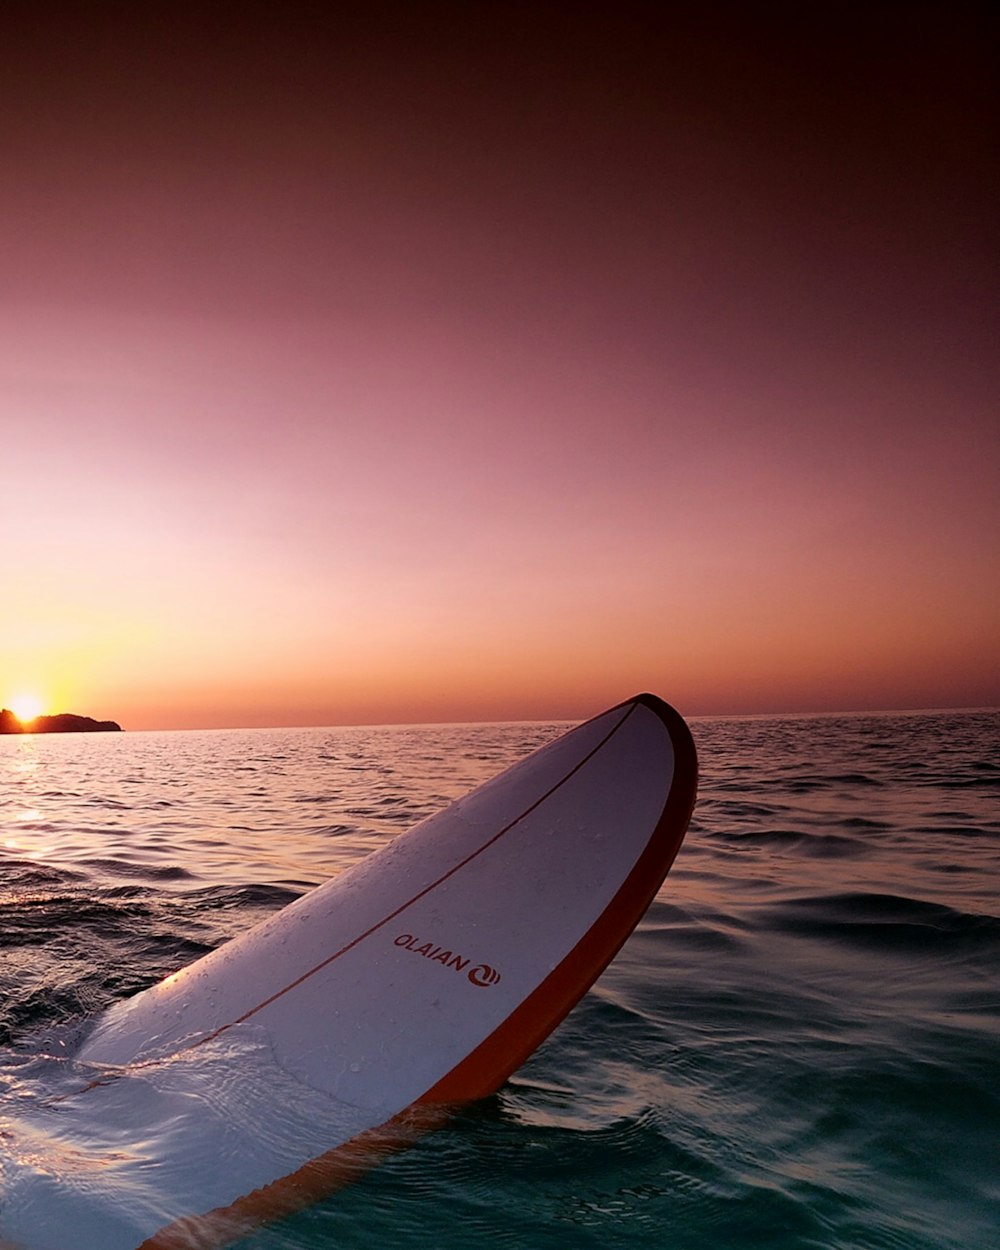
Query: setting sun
point(26, 707)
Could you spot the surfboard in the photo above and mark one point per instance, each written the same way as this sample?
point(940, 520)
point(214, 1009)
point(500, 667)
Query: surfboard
point(279, 1066)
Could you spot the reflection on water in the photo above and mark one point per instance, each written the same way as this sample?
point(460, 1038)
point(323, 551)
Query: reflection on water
point(286, 807)
point(796, 1049)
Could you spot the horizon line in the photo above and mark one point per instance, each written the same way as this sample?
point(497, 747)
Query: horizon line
point(563, 720)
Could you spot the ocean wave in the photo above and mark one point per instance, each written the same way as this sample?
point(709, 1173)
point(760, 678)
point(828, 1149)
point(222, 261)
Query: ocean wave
point(885, 920)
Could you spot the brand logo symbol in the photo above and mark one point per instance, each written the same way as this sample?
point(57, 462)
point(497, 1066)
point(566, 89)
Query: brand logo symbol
point(483, 974)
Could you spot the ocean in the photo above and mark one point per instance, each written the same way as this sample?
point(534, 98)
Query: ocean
point(798, 1048)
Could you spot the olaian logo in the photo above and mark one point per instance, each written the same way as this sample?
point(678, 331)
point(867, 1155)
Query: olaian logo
point(482, 974)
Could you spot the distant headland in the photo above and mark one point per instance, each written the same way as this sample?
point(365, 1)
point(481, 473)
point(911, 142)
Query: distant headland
point(62, 723)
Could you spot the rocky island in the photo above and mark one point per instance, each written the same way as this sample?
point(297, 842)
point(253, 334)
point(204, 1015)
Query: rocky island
point(61, 723)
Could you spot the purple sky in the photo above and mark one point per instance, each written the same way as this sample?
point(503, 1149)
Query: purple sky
point(457, 362)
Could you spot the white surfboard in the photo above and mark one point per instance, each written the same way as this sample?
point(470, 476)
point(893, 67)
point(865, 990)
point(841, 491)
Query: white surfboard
point(274, 1069)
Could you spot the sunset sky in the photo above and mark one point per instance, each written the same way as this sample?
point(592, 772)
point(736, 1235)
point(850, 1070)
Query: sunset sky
point(427, 362)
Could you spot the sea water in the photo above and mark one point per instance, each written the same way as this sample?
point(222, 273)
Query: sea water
point(799, 1046)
